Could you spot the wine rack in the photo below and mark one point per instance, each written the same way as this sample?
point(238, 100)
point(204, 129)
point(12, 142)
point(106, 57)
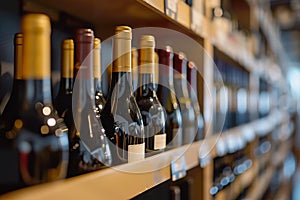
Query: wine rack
point(103, 15)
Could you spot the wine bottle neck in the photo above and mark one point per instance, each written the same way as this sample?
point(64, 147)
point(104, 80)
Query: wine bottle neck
point(181, 85)
point(97, 84)
point(121, 83)
point(36, 91)
point(18, 53)
point(36, 60)
point(84, 70)
point(66, 85)
point(192, 78)
point(145, 84)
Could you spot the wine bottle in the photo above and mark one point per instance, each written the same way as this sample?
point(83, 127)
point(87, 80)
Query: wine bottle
point(167, 98)
point(33, 139)
point(99, 98)
point(134, 65)
point(18, 83)
point(222, 98)
point(192, 89)
point(89, 148)
point(152, 112)
point(63, 100)
point(121, 116)
point(242, 98)
point(189, 127)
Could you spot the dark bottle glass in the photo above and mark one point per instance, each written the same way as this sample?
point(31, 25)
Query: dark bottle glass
point(89, 148)
point(99, 98)
point(33, 139)
point(189, 126)
point(152, 112)
point(121, 116)
point(220, 97)
point(167, 98)
point(15, 100)
point(63, 100)
point(193, 90)
point(225, 97)
point(233, 88)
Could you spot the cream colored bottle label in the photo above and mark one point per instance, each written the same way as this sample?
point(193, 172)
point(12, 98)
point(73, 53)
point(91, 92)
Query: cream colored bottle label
point(136, 152)
point(160, 141)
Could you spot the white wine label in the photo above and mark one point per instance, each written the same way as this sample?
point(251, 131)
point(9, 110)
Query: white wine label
point(160, 141)
point(178, 168)
point(136, 152)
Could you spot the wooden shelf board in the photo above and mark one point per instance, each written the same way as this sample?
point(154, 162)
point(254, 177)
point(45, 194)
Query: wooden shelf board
point(106, 14)
point(98, 184)
point(122, 182)
point(261, 184)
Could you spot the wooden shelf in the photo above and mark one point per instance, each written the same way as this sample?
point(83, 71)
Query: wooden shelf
point(112, 183)
point(261, 184)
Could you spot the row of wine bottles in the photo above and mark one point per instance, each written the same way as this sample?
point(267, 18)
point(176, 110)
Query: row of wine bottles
point(232, 93)
point(228, 167)
point(82, 131)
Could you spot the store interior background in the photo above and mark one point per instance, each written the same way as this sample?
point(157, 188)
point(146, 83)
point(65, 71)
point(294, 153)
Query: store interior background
point(286, 13)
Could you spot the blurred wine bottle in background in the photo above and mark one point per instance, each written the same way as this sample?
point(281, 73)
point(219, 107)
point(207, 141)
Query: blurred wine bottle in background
point(89, 148)
point(149, 105)
point(189, 126)
point(33, 139)
point(167, 98)
point(121, 116)
point(193, 90)
point(63, 100)
point(99, 98)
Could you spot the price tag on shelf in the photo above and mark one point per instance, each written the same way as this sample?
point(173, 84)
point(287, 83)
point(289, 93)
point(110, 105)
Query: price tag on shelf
point(197, 19)
point(204, 155)
point(171, 8)
point(221, 147)
point(178, 168)
point(248, 133)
